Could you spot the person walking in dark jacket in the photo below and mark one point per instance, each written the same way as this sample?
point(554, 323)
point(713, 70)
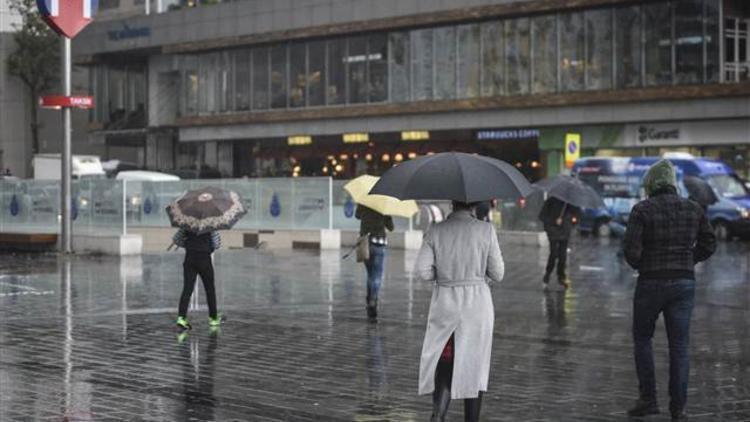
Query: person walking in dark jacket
point(198, 261)
point(374, 225)
point(558, 218)
point(665, 237)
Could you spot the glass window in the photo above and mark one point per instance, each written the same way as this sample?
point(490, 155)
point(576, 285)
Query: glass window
point(658, 32)
point(712, 41)
point(599, 49)
point(400, 71)
point(572, 60)
point(117, 98)
point(445, 62)
point(279, 76)
point(190, 86)
point(336, 91)
point(688, 19)
point(727, 186)
point(517, 55)
point(544, 30)
point(224, 82)
point(261, 97)
point(422, 64)
point(469, 73)
point(297, 75)
point(357, 60)
point(493, 59)
point(242, 80)
point(208, 83)
point(316, 73)
point(377, 62)
point(137, 91)
point(628, 46)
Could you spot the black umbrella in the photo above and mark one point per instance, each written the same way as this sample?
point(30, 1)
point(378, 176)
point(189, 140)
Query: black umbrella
point(700, 191)
point(205, 210)
point(571, 190)
point(453, 176)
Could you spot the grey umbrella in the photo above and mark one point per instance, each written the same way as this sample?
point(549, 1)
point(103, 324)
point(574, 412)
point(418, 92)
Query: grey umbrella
point(207, 209)
point(700, 191)
point(453, 176)
point(571, 190)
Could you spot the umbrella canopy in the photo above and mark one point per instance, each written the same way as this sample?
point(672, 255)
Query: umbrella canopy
point(453, 176)
point(207, 209)
point(700, 191)
point(359, 189)
point(571, 190)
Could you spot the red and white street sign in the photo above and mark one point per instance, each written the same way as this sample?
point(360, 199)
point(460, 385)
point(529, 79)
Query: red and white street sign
point(67, 17)
point(61, 101)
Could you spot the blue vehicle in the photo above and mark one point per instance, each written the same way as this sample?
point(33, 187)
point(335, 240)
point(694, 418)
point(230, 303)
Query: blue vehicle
point(618, 180)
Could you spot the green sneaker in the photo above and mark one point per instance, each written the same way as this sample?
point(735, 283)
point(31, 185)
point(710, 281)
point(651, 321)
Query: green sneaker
point(183, 323)
point(182, 336)
point(215, 322)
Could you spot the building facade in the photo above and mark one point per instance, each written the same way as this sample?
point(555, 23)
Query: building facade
point(15, 139)
point(342, 87)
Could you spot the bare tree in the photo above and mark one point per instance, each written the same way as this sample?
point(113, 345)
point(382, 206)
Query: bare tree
point(36, 59)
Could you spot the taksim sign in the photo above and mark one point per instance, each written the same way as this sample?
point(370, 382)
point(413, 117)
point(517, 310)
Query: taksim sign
point(60, 101)
point(67, 17)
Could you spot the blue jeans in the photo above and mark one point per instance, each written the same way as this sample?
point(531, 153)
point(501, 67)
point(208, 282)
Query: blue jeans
point(374, 267)
point(673, 298)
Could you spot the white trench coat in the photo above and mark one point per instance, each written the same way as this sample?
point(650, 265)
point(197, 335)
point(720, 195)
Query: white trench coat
point(461, 255)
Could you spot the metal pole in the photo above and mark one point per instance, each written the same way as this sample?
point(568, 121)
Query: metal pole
point(66, 245)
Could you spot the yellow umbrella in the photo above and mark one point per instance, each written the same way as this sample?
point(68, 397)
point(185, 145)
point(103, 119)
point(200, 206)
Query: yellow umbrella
point(359, 189)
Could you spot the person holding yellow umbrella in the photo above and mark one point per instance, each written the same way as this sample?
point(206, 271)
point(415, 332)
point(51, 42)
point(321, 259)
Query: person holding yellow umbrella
point(375, 213)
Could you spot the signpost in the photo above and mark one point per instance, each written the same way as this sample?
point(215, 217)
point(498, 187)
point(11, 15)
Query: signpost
point(67, 18)
point(572, 148)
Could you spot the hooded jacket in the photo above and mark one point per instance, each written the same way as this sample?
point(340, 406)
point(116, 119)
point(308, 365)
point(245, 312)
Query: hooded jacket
point(666, 234)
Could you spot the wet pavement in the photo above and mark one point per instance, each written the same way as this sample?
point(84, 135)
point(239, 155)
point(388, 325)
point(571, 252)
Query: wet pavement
point(92, 339)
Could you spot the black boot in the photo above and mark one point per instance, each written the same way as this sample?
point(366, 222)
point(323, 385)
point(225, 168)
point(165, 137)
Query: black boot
point(471, 409)
point(372, 310)
point(644, 407)
point(441, 397)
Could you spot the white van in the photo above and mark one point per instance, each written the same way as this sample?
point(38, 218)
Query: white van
point(48, 167)
point(145, 176)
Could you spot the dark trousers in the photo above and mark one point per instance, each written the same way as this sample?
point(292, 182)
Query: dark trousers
point(198, 263)
point(673, 298)
point(441, 397)
point(558, 252)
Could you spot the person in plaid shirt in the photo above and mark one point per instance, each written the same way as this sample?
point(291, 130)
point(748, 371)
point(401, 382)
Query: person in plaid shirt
point(666, 236)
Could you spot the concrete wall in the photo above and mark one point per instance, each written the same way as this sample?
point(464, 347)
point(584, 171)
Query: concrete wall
point(715, 108)
point(249, 17)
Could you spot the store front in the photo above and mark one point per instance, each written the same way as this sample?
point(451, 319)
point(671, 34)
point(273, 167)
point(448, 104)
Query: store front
point(351, 154)
point(727, 140)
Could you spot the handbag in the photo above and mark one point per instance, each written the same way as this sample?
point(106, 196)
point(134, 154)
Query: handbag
point(363, 248)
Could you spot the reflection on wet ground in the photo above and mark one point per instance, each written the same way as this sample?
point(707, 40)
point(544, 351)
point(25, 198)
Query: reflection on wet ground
point(92, 339)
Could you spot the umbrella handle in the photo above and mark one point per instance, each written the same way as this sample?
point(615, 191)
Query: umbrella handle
point(169, 248)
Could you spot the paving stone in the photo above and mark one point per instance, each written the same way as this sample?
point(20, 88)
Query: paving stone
point(100, 345)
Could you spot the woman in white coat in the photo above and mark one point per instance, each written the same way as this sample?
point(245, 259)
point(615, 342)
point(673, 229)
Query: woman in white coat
point(461, 256)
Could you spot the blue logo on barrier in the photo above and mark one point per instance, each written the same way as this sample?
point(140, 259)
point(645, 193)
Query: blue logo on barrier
point(349, 207)
point(14, 207)
point(147, 206)
point(275, 206)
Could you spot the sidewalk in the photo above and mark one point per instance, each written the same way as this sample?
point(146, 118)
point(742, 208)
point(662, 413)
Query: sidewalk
point(99, 344)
